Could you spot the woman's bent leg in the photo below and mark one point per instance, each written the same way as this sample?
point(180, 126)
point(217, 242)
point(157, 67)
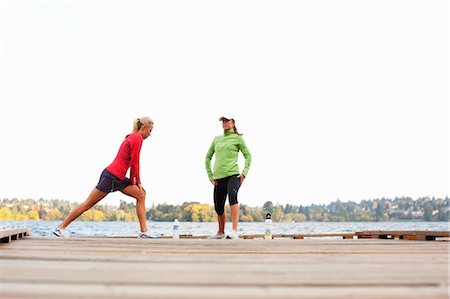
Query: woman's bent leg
point(93, 198)
point(134, 191)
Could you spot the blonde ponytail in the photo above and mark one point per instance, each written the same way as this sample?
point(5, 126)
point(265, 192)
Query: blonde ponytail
point(142, 121)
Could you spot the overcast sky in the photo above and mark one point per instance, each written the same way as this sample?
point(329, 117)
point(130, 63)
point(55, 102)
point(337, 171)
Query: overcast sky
point(336, 99)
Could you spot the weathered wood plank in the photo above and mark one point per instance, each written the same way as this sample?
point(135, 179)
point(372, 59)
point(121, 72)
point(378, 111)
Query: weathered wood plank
point(72, 291)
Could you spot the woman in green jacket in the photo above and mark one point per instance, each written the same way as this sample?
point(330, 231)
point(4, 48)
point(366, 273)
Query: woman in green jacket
point(225, 175)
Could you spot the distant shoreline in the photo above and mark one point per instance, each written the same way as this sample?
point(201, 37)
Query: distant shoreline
point(374, 210)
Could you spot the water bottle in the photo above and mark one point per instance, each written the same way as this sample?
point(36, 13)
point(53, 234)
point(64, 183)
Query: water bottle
point(268, 227)
point(176, 227)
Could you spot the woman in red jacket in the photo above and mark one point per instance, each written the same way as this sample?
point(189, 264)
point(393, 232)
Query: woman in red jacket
point(113, 178)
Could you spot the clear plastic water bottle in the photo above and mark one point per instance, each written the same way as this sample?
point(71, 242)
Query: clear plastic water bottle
point(176, 229)
point(268, 227)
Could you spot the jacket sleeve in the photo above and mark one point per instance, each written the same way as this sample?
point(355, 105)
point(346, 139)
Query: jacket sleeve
point(135, 150)
point(248, 157)
point(208, 158)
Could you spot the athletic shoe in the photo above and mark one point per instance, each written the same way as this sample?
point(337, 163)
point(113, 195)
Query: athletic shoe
point(218, 236)
point(60, 232)
point(146, 234)
point(233, 235)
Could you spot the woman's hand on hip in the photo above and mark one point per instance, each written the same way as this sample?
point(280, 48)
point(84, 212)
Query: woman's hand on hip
point(241, 178)
point(213, 181)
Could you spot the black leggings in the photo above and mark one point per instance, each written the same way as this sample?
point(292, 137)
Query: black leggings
point(226, 186)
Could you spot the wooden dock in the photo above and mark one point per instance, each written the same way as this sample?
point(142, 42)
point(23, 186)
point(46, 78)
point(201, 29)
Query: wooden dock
point(50, 267)
point(421, 235)
point(10, 234)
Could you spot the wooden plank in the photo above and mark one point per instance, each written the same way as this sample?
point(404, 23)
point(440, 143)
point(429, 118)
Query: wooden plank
point(95, 291)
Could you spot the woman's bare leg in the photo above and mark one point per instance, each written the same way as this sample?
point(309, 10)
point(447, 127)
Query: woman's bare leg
point(221, 220)
point(139, 194)
point(234, 210)
point(93, 198)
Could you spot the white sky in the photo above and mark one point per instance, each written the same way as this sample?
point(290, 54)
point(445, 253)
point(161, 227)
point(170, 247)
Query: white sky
point(336, 99)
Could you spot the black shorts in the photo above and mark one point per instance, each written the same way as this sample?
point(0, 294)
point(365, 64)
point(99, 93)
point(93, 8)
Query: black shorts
point(110, 183)
point(226, 186)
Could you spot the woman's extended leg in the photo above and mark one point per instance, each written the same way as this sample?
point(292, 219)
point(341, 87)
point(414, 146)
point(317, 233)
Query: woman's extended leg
point(139, 194)
point(94, 197)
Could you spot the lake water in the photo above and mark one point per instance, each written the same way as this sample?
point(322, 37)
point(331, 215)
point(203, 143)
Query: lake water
point(86, 228)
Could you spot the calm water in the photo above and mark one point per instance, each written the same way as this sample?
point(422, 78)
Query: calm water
point(83, 228)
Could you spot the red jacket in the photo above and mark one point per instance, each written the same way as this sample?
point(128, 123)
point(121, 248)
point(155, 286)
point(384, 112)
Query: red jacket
point(128, 157)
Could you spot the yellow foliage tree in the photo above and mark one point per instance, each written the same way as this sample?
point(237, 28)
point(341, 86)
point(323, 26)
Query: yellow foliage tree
point(207, 213)
point(93, 215)
point(20, 217)
point(121, 215)
point(200, 212)
point(128, 217)
point(53, 215)
point(33, 215)
point(98, 216)
point(87, 216)
point(194, 210)
point(6, 214)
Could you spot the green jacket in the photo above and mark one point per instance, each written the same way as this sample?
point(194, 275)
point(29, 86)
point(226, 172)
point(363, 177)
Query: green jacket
point(226, 147)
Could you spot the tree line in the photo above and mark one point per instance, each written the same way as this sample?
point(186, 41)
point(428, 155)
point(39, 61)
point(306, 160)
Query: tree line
point(380, 209)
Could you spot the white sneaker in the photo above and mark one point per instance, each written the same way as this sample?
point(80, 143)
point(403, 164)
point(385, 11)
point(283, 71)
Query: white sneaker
point(218, 236)
point(60, 232)
point(146, 234)
point(233, 235)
